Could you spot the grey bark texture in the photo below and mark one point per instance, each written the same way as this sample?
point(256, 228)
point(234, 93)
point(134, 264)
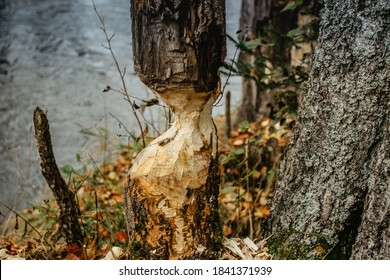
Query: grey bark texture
point(332, 198)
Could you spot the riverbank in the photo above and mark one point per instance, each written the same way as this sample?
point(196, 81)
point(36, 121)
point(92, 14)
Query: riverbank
point(51, 56)
point(246, 186)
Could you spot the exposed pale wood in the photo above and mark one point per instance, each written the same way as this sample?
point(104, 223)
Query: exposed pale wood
point(172, 188)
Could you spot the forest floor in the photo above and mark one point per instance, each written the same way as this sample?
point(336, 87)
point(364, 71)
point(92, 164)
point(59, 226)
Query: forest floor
point(249, 162)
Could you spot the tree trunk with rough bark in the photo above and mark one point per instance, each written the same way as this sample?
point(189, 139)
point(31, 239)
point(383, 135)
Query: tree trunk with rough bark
point(172, 189)
point(69, 225)
point(332, 198)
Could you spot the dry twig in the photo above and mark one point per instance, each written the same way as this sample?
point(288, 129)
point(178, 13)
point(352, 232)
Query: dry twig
point(120, 72)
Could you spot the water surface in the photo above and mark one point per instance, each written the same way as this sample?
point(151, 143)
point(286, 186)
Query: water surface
point(51, 56)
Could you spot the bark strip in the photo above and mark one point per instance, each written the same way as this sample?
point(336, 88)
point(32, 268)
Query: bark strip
point(65, 198)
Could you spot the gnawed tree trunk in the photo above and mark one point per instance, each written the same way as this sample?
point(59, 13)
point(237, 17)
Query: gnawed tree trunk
point(332, 198)
point(172, 189)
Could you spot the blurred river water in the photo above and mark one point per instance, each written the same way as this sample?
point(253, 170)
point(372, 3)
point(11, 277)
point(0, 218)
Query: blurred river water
point(51, 56)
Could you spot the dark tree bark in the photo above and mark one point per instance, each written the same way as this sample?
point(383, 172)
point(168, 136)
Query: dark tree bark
point(178, 43)
point(65, 198)
point(172, 189)
point(332, 195)
point(256, 17)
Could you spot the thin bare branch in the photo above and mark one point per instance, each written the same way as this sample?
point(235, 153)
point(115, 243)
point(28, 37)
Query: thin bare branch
point(112, 36)
point(27, 222)
point(121, 123)
point(121, 75)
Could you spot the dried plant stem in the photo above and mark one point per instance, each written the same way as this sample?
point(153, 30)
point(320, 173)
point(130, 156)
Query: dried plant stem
point(120, 72)
point(248, 187)
point(140, 111)
point(27, 222)
point(121, 123)
point(96, 215)
point(231, 68)
point(227, 114)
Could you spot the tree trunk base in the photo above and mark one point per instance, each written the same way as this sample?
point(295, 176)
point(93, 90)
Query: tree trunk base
point(196, 226)
point(172, 189)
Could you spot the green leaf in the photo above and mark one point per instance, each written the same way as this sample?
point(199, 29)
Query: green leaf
point(228, 190)
point(270, 176)
point(67, 169)
point(249, 174)
point(244, 125)
point(227, 159)
point(236, 195)
point(253, 43)
point(239, 151)
point(292, 5)
point(294, 32)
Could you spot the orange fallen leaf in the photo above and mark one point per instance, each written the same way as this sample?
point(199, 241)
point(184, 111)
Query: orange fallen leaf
point(227, 231)
point(262, 212)
point(121, 236)
point(283, 141)
point(320, 250)
point(240, 139)
point(74, 252)
point(72, 256)
point(72, 248)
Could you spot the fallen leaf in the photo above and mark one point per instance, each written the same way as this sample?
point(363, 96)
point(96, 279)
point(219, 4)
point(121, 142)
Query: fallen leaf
point(240, 139)
point(121, 236)
point(72, 256)
point(74, 252)
point(320, 250)
point(72, 248)
point(262, 212)
point(227, 231)
point(114, 253)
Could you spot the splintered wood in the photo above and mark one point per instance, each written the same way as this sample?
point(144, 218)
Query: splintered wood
point(172, 189)
point(175, 179)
